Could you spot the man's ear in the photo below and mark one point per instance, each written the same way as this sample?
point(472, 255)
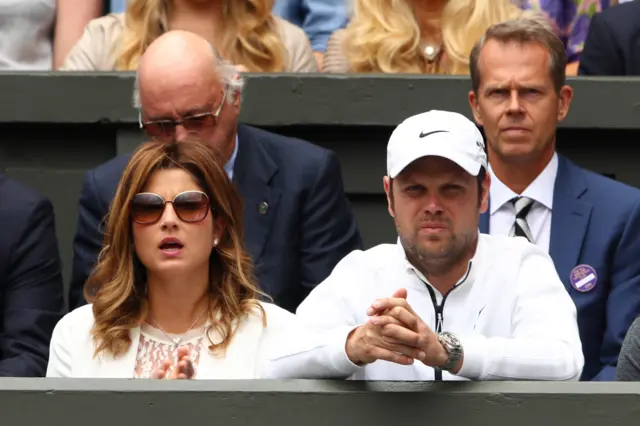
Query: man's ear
point(475, 107)
point(486, 184)
point(564, 101)
point(388, 187)
point(236, 101)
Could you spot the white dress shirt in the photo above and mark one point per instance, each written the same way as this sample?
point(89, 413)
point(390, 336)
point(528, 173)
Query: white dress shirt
point(512, 314)
point(503, 213)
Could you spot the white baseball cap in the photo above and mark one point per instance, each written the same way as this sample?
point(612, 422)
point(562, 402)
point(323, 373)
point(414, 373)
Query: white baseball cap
point(436, 133)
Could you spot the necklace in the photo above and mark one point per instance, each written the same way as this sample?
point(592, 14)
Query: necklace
point(177, 340)
point(431, 51)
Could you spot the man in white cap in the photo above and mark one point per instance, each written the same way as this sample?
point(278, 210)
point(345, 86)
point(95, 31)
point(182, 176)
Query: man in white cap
point(446, 302)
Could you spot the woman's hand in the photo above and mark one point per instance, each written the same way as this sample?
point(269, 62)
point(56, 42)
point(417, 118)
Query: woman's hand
point(184, 369)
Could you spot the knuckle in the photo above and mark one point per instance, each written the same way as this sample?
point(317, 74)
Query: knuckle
point(368, 350)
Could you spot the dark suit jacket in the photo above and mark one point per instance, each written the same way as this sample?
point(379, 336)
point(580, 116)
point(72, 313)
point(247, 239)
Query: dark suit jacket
point(612, 46)
point(307, 228)
point(596, 222)
point(31, 287)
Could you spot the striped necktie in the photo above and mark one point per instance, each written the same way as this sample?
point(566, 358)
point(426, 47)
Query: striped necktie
point(520, 227)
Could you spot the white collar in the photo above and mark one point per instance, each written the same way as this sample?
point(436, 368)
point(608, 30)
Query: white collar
point(540, 190)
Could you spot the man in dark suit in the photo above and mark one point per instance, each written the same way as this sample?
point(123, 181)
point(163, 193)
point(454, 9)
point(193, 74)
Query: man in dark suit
point(298, 222)
point(31, 287)
point(589, 224)
point(612, 46)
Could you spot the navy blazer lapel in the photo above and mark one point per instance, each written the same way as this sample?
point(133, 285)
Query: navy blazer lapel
point(253, 171)
point(569, 218)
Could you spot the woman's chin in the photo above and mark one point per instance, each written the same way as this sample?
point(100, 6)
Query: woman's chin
point(170, 267)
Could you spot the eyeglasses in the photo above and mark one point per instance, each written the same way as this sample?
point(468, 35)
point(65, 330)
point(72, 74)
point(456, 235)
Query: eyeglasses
point(190, 207)
point(166, 129)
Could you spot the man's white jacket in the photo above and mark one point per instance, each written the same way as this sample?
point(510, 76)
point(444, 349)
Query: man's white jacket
point(511, 311)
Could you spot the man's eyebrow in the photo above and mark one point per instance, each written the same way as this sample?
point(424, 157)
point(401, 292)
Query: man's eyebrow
point(491, 87)
point(197, 110)
point(187, 113)
point(520, 86)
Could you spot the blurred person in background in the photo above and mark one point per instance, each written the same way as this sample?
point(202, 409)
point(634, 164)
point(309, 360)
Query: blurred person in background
point(37, 35)
point(413, 36)
point(245, 32)
point(31, 287)
point(612, 46)
point(571, 20)
point(318, 18)
point(173, 294)
point(117, 6)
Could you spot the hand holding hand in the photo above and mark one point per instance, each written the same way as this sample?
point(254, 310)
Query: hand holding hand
point(374, 340)
point(400, 325)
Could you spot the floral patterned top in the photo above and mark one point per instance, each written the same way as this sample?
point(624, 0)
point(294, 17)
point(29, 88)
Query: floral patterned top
point(155, 346)
point(570, 18)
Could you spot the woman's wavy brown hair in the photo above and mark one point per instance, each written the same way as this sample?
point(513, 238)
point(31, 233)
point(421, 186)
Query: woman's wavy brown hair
point(251, 35)
point(117, 286)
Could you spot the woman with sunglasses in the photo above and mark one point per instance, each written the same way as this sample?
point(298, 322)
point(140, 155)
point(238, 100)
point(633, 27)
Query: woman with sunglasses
point(173, 295)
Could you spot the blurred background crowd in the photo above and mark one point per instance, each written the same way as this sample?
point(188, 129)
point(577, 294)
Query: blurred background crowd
point(340, 36)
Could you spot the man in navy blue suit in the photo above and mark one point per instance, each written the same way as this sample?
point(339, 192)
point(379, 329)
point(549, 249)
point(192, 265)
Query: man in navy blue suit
point(31, 287)
point(589, 224)
point(297, 220)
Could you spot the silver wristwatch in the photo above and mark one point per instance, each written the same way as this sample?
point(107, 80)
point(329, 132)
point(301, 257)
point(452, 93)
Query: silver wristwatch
point(453, 347)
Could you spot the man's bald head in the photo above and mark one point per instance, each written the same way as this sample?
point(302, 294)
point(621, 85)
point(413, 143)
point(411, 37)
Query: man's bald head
point(183, 58)
point(184, 88)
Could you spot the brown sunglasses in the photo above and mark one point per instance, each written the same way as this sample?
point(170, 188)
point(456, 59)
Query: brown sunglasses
point(166, 129)
point(190, 207)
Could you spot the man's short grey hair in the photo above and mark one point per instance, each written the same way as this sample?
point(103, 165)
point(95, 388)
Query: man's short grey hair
point(229, 77)
point(530, 27)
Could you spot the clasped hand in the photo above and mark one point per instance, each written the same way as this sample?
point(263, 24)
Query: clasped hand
point(395, 333)
point(184, 368)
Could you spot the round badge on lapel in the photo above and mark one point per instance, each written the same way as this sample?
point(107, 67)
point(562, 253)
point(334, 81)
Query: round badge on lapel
point(263, 208)
point(583, 278)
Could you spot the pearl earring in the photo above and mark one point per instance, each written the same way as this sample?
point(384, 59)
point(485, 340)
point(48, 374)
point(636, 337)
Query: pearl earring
point(215, 242)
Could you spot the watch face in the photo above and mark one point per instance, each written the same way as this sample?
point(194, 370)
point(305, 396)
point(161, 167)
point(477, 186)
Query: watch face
point(453, 347)
point(451, 342)
point(449, 339)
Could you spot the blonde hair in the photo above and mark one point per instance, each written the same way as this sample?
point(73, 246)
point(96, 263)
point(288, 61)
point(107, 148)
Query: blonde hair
point(117, 286)
point(251, 36)
point(384, 36)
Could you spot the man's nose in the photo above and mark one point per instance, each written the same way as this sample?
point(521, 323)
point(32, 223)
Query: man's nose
point(433, 204)
point(515, 107)
point(181, 133)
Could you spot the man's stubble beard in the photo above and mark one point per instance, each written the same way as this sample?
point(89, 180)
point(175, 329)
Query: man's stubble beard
point(432, 263)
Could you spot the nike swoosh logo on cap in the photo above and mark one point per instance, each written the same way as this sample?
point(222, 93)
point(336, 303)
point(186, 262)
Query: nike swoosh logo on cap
point(422, 135)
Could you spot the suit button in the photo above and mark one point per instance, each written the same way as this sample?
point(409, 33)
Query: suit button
point(263, 208)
